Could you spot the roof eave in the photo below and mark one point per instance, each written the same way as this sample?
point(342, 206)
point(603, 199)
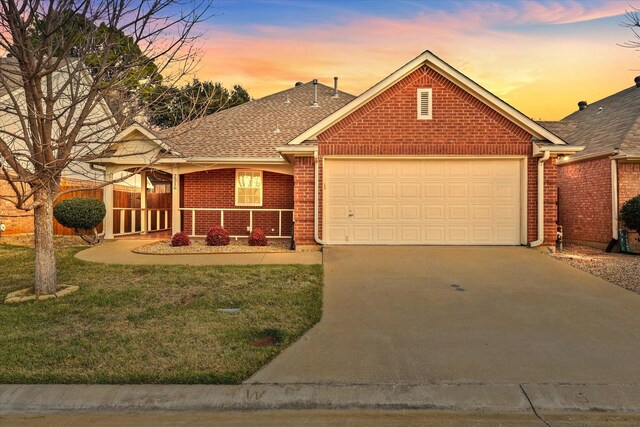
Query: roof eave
point(449, 72)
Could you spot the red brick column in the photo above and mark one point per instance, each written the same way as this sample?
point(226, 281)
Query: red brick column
point(550, 202)
point(303, 200)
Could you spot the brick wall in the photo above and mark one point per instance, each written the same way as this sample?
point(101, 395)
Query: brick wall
point(628, 181)
point(304, 188)
point(16, 221)
point(584, 200)
point(216, 189)
point(461, 125)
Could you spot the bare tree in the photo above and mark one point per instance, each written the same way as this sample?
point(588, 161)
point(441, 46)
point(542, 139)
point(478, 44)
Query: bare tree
point(632, 21)
point(73, 76)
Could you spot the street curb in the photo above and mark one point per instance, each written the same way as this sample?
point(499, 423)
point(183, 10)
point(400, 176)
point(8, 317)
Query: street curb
point(494, 398)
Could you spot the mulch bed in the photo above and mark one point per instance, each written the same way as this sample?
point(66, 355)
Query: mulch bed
point(199, 247)
point(620, 269)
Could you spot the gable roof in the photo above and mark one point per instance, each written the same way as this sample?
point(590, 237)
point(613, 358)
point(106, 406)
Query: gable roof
point(604, 127)
point(256, 128)
point(432, 61)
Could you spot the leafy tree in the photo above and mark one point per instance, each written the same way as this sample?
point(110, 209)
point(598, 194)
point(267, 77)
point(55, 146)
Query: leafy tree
point(195, 99)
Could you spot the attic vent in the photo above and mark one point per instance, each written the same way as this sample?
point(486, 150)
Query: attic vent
point(424, 104)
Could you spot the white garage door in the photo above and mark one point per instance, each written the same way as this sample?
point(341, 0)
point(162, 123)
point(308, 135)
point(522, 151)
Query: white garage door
point(422, 201)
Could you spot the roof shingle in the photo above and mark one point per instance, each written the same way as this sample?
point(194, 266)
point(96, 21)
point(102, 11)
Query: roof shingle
point(609, 124)
point(256, 128)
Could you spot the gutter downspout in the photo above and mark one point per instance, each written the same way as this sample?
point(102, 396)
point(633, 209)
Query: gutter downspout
point(614, 199)
point(541, 162)
point(316, 200)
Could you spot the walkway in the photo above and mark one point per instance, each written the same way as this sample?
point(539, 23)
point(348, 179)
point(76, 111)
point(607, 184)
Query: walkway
point(119, 252)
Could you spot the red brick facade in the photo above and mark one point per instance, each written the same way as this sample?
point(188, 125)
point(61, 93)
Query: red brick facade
point(461, 125)
point(628, 181)
point(216, 189)
point(584, 200)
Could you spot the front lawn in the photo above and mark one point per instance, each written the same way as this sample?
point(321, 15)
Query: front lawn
point(151, 324)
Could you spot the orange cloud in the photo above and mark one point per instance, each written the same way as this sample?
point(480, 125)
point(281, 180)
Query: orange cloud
point(543, 73)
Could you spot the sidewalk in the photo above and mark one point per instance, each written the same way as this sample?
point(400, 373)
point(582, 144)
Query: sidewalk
point(539, 400)
point(119, 252)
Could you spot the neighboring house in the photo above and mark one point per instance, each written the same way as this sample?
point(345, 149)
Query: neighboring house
point(594, 184)
point(77, 174)
point(426, 156)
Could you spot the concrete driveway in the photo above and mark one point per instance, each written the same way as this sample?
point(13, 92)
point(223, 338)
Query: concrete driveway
point(393, 315)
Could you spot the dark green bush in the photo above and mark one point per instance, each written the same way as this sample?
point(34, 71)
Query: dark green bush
point(630, 213)
point(80, 213)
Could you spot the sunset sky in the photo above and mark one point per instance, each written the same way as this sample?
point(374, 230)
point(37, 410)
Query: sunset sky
point(540, 56)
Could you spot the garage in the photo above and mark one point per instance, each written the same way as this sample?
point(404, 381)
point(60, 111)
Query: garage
point(428, 201)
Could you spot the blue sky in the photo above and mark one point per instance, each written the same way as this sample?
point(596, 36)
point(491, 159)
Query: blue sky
point(540, 56)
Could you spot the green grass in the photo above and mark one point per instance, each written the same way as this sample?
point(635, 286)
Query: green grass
point(151, 324)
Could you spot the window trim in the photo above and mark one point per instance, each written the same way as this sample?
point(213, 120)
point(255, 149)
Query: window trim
point(419, 97)
point(235, 184)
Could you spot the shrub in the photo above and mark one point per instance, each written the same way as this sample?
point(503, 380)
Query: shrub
point(82, 215)
point(217, 236)
point(257, 238)
point(630, 213)
point(180, 239)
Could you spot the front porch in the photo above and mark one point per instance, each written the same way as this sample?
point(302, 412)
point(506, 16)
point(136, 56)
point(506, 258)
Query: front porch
point(169, 200)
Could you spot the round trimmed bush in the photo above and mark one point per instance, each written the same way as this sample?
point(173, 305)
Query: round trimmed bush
point(217, 236)
point(80, 213)
point(630, 213)
point(257, 238)
point(180, 239)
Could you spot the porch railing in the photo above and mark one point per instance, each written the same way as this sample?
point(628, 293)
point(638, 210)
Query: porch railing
point(130, 220)
point(251, 212)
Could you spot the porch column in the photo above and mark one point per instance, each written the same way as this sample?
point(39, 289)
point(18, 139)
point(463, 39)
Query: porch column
point(175, 200)
point(143, 202)
point(107, 198)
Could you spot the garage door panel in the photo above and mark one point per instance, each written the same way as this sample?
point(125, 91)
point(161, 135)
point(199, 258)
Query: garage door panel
point(481, 169)
point(458, 190)
point(363, 212)
point(458, 213)
point(481, 190)
point(411, 233)
point(410, 190)
point(433, 212)
point(363, 233)
point(386, 213)
point(430, 201)
point(338, 190)
point(386, 234)
point(362, 190)
point(410, 169)
point(434, 234)
point(337, 212)
point(458, 169)
point(386, 190)
point(409, 213)
point(433, 190)
point(362, 170)
point(458, 234)
point(338, 233)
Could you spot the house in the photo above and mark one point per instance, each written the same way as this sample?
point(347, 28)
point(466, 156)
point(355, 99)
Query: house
point(425, 156)
point(70, 80)
point(594, 184)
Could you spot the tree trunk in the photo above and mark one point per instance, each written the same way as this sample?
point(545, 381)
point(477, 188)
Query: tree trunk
point(45, 279)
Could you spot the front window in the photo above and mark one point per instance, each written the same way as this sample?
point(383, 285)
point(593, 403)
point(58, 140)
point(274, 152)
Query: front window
point(248, 188)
